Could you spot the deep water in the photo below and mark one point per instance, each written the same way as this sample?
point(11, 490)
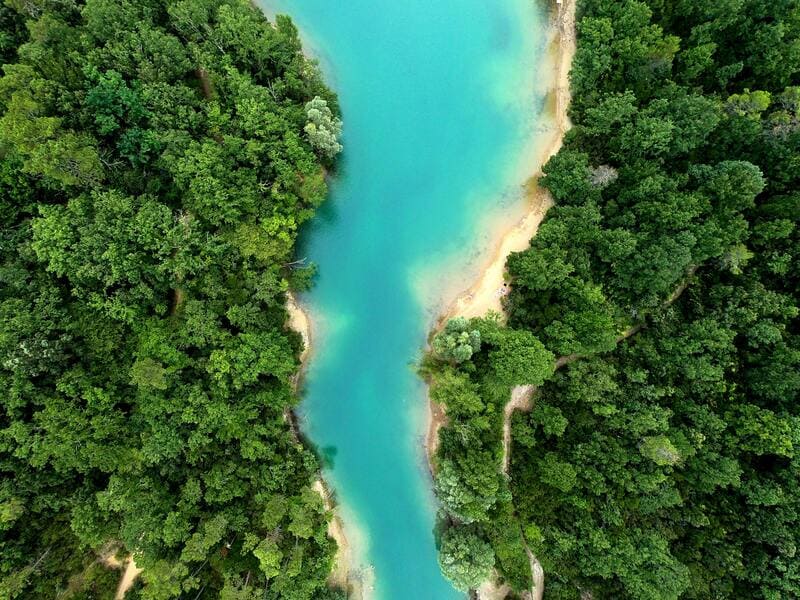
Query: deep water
point(440, 104)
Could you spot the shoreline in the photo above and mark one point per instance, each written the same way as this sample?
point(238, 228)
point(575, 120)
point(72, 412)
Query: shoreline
point(349, 574)
point(481, 296)
point(358, 587)
point(486, 293)
point(338, 576)
point(300, 322)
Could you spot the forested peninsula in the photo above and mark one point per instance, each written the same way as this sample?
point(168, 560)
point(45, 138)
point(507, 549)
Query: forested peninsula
point(653, 323)
point(156, 160)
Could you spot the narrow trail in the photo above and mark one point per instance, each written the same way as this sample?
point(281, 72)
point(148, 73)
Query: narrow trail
point(130, 572)
point(522, 400)
point(521, 396)
point(537, 575)
point(631, 331)
point(129, 577)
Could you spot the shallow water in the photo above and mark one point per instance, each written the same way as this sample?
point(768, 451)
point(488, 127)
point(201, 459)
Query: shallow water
point(441, 103)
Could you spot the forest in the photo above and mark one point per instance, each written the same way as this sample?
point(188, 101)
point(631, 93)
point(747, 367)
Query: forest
point(656, 314)
point(156, 160)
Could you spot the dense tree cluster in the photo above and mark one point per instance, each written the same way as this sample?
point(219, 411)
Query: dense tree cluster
point(156, 160)
point(661, 459)
point(476, 501)
point(456, 343)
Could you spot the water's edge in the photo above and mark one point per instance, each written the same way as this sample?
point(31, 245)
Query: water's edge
point(507, 211)
point(482, 296)
point(479, 295)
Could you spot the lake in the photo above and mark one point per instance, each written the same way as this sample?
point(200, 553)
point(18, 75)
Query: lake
point(442, 103)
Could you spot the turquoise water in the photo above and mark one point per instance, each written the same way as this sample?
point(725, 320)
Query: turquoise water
point(440, 103)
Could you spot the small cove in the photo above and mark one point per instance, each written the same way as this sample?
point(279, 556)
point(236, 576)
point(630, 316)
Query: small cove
point(443, 103)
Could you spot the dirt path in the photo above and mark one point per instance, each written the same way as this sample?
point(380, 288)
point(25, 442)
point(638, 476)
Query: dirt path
point(631, 331)
point(537, 574)
point(130, 572)
point(129, 577)
point(520, 400)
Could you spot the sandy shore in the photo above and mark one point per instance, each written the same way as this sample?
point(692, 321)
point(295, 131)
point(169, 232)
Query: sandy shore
point(487, 292)
point(299, 321)
point(491, 590)
point(342, 575)
point(358, 582)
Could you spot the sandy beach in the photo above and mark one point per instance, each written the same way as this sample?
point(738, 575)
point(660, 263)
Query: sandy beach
point(486, 293)
point(342, 576)
point(299, 321)
point(488, 290)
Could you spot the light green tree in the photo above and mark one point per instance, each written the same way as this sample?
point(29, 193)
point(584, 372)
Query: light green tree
point(323, 129)
point(465, 558)
point(521, 359)
point(457, 343)
point(660, 450)
point(148, 373)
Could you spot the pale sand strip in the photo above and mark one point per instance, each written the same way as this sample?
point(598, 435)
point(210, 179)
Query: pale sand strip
point(347, 573)
point(486, 294)
point(338, 576)
point(299, 321)
point(357, 584)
